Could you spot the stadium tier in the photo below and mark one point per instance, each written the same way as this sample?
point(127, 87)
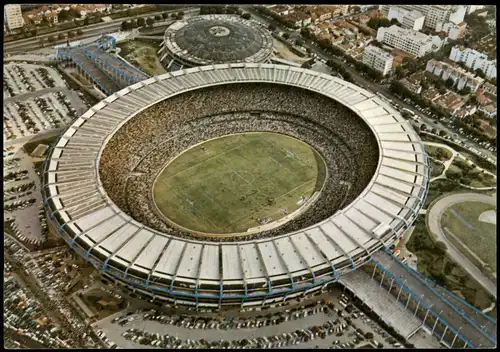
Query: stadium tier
point(97, 183)
point(214, 39)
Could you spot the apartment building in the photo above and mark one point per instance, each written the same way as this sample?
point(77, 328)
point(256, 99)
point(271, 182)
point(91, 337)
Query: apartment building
point(409, 19)
point(377, 59)
point(455, 31)
point(435, 15)
point(13, 16)
point(460, 77)
point(474, 60)
point(408, 40)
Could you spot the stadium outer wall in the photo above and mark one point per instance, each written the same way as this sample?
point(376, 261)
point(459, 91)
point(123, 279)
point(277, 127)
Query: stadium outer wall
point(278, 288)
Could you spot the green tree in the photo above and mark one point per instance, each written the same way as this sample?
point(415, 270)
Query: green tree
point(441, 247)
point(246, 16)
point(272, 27)
point(61, 36)
point(286, 35)
point(141, 21)
point(158, 18)
point(79, 32)
point(86, 21)
point(150, 21)
point(164, 15)
point(356, 9)
point(395, 21)
point(299, 42)
point(125, 26)
point(442, 133)
point(423, 127)
point(449, 83)
point(180, 13)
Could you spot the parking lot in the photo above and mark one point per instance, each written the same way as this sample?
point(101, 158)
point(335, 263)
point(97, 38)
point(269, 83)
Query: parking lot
point(37, 99)
point(330, 323)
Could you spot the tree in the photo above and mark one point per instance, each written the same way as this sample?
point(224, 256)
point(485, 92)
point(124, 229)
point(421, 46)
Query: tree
point(423, 127)
point(72, 34)
point(164, 15)
point(86, 21)
point(369, 335)
point(141, 21)
point(442, 133)
point(442, 90)
point(125, 26)
point(79, 32)
point(150, 21)
point(61, 36)
point(286, 35)
point(178, 17)
point(180, 13)
point(449, 83)
point(299, 42)
point(52, 38)
point(272, 27)
point(246, 16)
point(173, 15)
point(133, 24)
point(356, 9)
point(395, 21)
point(158, 18)
point(441, 247)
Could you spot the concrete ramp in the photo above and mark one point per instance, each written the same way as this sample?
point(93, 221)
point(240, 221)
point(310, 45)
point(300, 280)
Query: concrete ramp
point(381, 302)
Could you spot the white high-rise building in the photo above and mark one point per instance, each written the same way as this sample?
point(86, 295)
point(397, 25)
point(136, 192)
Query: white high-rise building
point(13, 16)
point(474, 60)
point(377, 59)
point(409, 19)
point(408, 40)
point(435, 15)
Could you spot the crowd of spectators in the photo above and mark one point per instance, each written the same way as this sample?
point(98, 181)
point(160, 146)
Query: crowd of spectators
point(144, 145)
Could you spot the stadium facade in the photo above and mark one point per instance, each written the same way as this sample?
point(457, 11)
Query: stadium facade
point(214, 39)
point(258, 271)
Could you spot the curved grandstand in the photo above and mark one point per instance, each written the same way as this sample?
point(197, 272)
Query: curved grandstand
point(99, 176)
point(214, 39)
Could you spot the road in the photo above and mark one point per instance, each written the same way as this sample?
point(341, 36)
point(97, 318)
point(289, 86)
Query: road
point(374, 87)
point(434, 222)
point(89, 31)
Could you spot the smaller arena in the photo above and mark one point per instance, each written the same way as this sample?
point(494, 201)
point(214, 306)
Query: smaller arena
point(214, 39)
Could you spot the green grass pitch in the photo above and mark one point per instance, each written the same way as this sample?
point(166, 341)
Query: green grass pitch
point(236, 182)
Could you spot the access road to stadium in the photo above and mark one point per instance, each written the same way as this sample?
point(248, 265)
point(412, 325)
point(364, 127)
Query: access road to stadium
point(434, 215)
point(92, 30)
point(373, 87)
point(460, 321)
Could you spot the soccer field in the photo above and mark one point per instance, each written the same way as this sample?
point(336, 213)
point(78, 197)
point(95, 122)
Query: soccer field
point(236, 182)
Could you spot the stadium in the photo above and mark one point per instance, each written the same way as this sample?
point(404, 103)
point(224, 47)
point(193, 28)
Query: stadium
point(368, 172)
point(214, 39)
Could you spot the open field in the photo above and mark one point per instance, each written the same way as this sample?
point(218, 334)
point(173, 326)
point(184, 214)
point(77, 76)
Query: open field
point(441, 268)
point(233, 183)
point(441, 154)
point(142, 55)
point(462, 220)
point(436, 168)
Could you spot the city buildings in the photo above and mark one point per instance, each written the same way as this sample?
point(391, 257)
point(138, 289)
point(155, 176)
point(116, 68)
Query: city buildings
point(411, 41)
point(460, 77)
point(455, 31)
point(474, 60)
point(409, 19)
point(378, 59)
point(436, 16)
point(13, 16)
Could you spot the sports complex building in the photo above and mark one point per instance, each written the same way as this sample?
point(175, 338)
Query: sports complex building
point(98, 177)
point(214, 39)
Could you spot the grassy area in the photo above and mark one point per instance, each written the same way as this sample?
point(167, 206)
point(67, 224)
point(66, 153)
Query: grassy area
point(442, 186)
point(468, 174)
point(227, 184)
point(142, 55)
point(435, 264)
point(462, 220)
point(436, 168)
point(485, 164)
point(441, 154)
point(30, 146)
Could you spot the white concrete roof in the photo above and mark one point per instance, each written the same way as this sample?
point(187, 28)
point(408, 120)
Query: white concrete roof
point(392, 197)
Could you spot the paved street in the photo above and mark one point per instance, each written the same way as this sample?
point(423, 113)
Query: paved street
point(434, 223)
